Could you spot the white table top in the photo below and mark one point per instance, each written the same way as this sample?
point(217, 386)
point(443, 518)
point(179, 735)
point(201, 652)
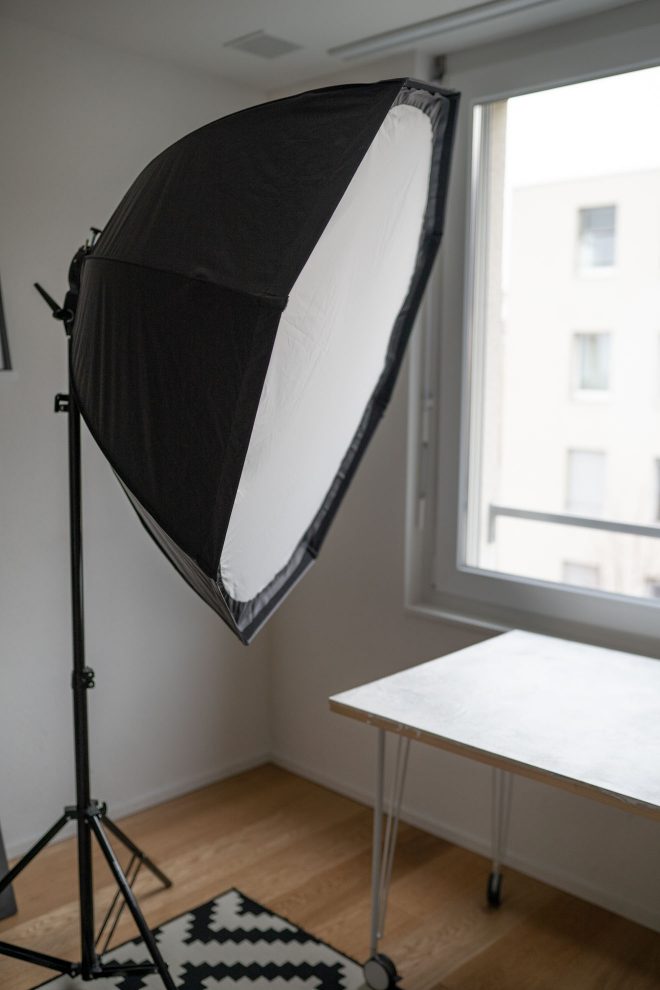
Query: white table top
point(582, 717)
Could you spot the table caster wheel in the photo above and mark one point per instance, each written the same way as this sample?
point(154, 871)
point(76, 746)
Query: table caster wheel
point(494, 890)
point(380, 973)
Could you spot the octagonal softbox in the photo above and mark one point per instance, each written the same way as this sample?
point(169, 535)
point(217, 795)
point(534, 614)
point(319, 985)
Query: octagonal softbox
point(242, 319)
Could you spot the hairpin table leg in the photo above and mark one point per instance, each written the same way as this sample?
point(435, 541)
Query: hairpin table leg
point(379, 971)
point(501, 817)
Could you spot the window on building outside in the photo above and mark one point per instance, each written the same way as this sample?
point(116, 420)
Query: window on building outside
point(596, 236)
point(585, 482)
point(653, 587)
point(580, 575)
point(591, 362)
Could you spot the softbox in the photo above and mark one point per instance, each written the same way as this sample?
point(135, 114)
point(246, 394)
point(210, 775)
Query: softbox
point(242, 319)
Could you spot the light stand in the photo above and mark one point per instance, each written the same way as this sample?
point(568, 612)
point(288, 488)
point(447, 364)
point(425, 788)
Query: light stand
point(91, 817)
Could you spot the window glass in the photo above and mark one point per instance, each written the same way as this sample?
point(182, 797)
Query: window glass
point(549, 166)
point(580, 575)
point(653, 587)
point(597, 227)
point(585, 489)
point(592, 361)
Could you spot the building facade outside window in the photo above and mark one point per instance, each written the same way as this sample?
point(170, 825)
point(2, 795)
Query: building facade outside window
point(535, 453)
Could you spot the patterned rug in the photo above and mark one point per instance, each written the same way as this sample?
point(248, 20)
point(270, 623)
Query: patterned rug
point(232, 943)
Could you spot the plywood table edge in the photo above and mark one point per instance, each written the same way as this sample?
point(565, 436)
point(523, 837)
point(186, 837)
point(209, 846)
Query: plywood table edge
point(583, 789)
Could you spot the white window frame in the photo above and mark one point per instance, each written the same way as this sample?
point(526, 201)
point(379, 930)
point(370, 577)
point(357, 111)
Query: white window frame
point(437, 583)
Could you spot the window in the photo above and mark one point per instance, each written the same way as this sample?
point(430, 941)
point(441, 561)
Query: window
point(580, 575)
point(585, 487)
point(653, 587)
point(591, 362)
point(528, 508)
point(597, 233)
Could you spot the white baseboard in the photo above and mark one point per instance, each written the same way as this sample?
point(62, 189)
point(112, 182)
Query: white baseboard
point(147, 799)
point(642, 914)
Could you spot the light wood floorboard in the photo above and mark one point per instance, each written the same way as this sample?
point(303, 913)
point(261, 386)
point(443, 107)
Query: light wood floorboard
point(304, 851)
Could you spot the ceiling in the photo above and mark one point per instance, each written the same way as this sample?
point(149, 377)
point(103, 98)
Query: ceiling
point(193, 33)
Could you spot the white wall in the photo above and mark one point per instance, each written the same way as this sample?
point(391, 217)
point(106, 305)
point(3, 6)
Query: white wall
point(178, 700)
point(345, 625)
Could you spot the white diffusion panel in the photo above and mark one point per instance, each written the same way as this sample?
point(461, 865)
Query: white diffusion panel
point(329, 352)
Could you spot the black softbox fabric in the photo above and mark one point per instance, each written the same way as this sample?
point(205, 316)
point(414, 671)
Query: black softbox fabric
point(187, 290)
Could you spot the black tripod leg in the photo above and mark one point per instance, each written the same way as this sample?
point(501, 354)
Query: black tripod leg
point(39, 959)
point(34, 851)
point(29, 955)
point(137, 852)
point(133, 906)
point(138, 860)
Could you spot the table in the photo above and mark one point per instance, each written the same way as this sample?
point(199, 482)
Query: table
point(580, 717)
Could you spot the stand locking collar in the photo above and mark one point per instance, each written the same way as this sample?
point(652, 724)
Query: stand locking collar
point(85, 678)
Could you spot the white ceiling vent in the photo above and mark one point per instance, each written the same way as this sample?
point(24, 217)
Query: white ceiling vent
point(262, 44)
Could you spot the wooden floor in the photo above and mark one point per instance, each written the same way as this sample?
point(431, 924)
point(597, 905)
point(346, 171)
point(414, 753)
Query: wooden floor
point(305, 852)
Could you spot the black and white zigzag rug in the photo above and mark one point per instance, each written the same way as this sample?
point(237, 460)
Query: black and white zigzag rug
point(232, 943)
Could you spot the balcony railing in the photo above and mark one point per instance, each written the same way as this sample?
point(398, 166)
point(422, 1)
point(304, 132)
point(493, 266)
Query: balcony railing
point(567, 519)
